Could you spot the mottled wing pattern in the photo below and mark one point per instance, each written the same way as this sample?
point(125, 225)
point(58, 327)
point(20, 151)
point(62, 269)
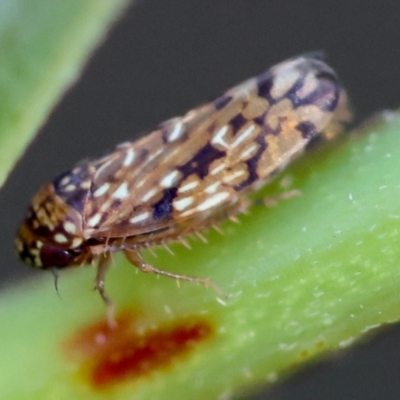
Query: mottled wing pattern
point(194, 167)
point(133, 188)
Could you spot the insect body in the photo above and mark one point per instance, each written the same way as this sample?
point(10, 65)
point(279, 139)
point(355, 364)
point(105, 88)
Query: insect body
point(188, 174)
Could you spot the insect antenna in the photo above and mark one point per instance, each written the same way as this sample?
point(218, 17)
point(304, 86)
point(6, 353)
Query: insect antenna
point(56, 275)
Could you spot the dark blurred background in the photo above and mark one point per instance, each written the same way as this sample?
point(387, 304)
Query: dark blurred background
point(167, 56)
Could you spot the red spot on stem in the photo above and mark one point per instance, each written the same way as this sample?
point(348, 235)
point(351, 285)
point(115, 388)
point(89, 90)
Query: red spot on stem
point(131, 350)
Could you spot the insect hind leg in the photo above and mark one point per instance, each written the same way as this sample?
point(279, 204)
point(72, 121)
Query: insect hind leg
point(135, 258)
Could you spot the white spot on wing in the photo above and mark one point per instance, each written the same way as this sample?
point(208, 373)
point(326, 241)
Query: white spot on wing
point(129, 158)
point(188, 186)
point(148, 195)
point(181, 204)
point(249, 151)
point(212, 188)
point(217, 169)
point(176, 132)
point(285, 77)
point(153, 155)
point(85, 185)
point(94, 220)
point(104, 207)
point(69, 188)
point(141, 182)
point(101, 190)
point(213, 201)
point(65, 180)
point(69, 227)
point(121, 192)
point(234, 175)
point(60, 238)
point(140, 217)
point(243, 136)
point(309, 85)
point(218, 137)
point(171, 154)
point(170, 179)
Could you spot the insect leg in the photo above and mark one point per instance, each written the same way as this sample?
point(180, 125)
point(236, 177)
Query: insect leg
point(135, 258)
point(102, 268)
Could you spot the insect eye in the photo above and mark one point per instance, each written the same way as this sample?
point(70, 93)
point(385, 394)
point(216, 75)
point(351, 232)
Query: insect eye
point(56, 257)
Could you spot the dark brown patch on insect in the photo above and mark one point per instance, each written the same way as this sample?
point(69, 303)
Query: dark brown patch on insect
point(307, 129)
point(163, 208)
point(264, 83)
point(237, 122)
point(260, 120)
point(201, 161)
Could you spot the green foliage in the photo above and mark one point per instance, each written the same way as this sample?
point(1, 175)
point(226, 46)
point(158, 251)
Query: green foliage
point(43, 46)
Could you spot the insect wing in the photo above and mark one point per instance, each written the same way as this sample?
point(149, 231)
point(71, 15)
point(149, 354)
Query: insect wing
point(193, 168)
point(133, 188)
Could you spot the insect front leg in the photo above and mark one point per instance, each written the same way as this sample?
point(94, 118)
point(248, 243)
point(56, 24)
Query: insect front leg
point(135, 258)
point(102, 267)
